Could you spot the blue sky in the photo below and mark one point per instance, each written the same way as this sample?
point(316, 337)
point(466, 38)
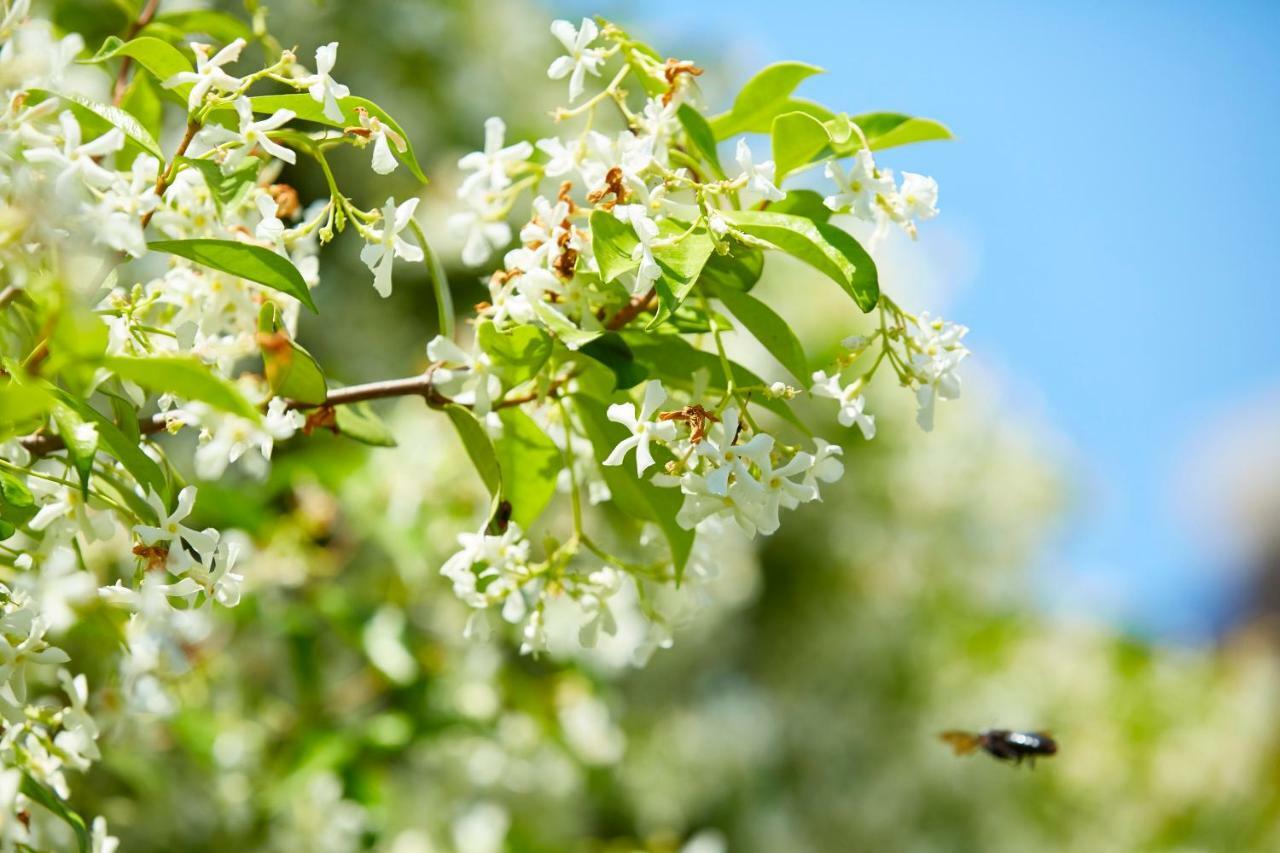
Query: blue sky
point(1115, 171)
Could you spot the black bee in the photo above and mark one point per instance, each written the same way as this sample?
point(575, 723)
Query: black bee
point(1003, 744)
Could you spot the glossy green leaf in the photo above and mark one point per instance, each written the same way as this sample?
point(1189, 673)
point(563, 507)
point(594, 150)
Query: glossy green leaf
point(44, 796)
point(125, 449)
point(773, 332)
point(96, 119)
point(797, 138)
point(184, 377)
point(886, 130)
point(291, 371)
point(529, 462)
point(81, 441)
point(635, 497)
point(241, 259)
point(142, 101)
point(159, 57)
point(612, 242)
point(824, 247)
point(14, 492)
point(517, 353)
point(309, 109)
point(359, 422)
point(701, 137)
point(612, 351)
point(478, 445)
point(740, 269)
point(765, 96)
point(806, 203)
point(681, 264)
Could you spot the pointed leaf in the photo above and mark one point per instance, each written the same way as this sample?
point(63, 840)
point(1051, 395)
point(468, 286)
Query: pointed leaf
point(773, 332)
point(184, 377)
point(529, 462)
point(241, 259)
point(764, 96)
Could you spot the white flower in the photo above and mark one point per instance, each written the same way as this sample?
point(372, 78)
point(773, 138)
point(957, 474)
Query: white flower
point(31, 650)
point(643, 429)
point(121, 207)
point(255, 133)
point(852, 404)
point(826, 466)
point(721, 450)
point(209, 75)
point(936, 352)
point(323, 88)
point(780, 491)
point(387, 243)
point(564, 158)
point(468, 380)
point(171, 529)
point(481, 235)
point(383, 138)
point(917, 199)
point(581, 58)
point(77, 159)
point(231, 438)
point(601, 585)
point(864, 191)
point(646, 232)
point(491, 166)
point(101, 842)
point(743, 501)
point(270, 229)
point(759, 178)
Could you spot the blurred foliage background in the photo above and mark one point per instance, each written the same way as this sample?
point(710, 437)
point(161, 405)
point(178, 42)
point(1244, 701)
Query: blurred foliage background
point(339, 708)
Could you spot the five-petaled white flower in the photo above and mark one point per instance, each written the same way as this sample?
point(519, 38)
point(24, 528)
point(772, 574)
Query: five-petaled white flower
point(254, 133)
point(643, 428)
point(492, 166)
point(466, 379)
point(759, 177)
point(852, 403)
point(646, 232)
point(78, 159)
point(581, 58)
point(387, 243)
point(322, 87)
point(209, 74)
point(171, 529)
point(864, 191)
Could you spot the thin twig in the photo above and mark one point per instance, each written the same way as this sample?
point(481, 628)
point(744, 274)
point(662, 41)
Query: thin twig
point(628, 312)
point(122, 76)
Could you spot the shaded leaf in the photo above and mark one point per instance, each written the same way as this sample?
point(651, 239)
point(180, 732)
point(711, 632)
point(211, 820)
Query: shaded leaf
point(773, 332)
point(359, 422)
point(529, 462)
point(478, 446)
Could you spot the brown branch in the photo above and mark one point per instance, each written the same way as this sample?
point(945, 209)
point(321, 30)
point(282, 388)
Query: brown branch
point(628, 312)
point(162, 182)
point(42, 443)
point(9, 294)
point(122, 76)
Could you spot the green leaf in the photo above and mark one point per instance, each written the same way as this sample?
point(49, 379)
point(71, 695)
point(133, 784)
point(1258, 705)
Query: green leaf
point(221, 26)
point(701, 137)
point(517, 353)
point(478, 446)
point(39, 793)
point(797, 138)
point(674, 360)
point(142, 101)
point(635, 497)
point(125, 449)
point(241, 259)
point(291, 371)
point(681, 264)
point(612, 242)
point(126, 417)
point(770, 330)
point(563, 330)
point(184, 377)
point(529, 462)
point(865, 282)
point(612, 351)
point(740, 269)
point(764, 97)
point(97, 119)
point(806, 203)
point(81, 444)
point(14, 492)
point(228, 190)
point(886, 130)
point(160, 58)
point(21, 404)
point(308, 109)
point(358, 421)
point(824, 247)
